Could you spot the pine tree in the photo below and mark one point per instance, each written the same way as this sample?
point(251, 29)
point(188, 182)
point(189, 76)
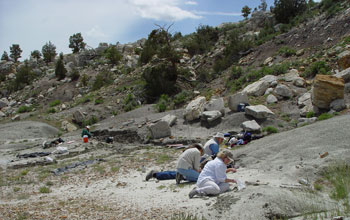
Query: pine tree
point(36, 54)
point(49, 52)
point(5, 56)
point(15, 52)
point(246, 11)
point(76, 42)
point(60, 70)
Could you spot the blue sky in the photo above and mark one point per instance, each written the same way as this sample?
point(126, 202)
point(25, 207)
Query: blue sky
point(32, 23)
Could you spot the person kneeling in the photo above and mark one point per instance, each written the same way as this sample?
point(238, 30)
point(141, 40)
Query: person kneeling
point(213, 180)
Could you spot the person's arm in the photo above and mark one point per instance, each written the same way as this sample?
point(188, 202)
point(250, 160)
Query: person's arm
point(214, 149)
point(233, 170)
point(196, 163)
point(230, 180)
point(220, 172)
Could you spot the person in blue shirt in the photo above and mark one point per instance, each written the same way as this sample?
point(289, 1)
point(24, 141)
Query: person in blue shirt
point(212, 147)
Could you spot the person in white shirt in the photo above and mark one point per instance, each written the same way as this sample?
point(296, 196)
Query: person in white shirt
point(213, 180)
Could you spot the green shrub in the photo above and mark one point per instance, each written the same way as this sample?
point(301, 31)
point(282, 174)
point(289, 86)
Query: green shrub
point(285, 10)
point(319, 67)
point(113, 55)
point(331, 6)
point(338, 176)
point(103, 78)
point(310, 114)
point(286, 51)
point(324, 116)
point(74, 75)
point(55, 103)
point(92, 120)
point(24, 76)
point(201, 41)
point(51, 110)
point(163, 103)
point(270, 129)
point(129, 103)
point(99, 101)
point(84, 79)
point(182, 97)
point(24, 108)
point(60, 70)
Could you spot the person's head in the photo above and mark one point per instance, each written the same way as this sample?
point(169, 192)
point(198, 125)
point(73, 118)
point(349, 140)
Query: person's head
point(226, 156)
point(198, 146)
point(87, 127)
point(219, 137)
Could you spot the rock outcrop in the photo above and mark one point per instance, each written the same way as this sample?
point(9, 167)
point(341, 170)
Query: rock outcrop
point(327, 89)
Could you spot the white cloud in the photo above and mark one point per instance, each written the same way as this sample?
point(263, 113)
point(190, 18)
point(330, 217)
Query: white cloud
point(96, 32)
point(191, 3)
point(161, 10)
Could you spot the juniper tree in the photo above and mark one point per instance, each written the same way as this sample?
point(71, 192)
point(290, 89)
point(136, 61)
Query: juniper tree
point(36, 54)
point(246, 11)
point(60, 70)
point(76, 42)
point(49, 52)
point(5, 56)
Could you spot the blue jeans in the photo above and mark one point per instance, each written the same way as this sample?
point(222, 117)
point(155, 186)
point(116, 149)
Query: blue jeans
point(165, 175)
point(189, 174)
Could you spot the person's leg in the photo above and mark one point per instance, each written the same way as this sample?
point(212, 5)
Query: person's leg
point(165, 175)
point(208, 188)
point(189, 174)
point(224, 187)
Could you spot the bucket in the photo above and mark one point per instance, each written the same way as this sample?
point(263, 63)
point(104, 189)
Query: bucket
point(85, 138)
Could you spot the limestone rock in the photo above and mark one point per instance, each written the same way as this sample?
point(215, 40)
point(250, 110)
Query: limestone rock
point(256, 89)
point(4, 103)
point(258, 111)
point(66, 126)
point(251, 126)
point(338, 105)
point(211, 116)
point(78, 117)
point(216, 104)
point(345, 74)
point(344, 60)
point(170, 119)
point(299, 81)
point(160, 129)
point(326, 89)
point(291, 75)
point(16, 118)
point(268, 61)
point(270, 79)
point(283, 91)
point(236, 99)
point(194, 109)
point(302, 100)
point(271, 99)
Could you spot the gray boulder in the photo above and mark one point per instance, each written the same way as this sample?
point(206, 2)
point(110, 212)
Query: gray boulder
point(4, 103)
point(2, 115)
point(299, 81)
point(338, 105)
point(160, 129)
point(270, 79)
point(271, 99)
point(303, 121)
point(256, 89)
point(170, 119)
point(66, 126)
point(258, 111)
point(211, 116)
point(345, 74)
point(236, 99)
point(251, 126)
point(78, 117)
point(283, 91)
point(291, 75)
point(304, 99)
point(194, 109)
point(215, 104)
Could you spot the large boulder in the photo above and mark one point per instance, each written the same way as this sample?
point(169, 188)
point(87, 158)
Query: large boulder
point(3, 103)
point(236, 99)
point(344, 60)
point(291, 75)
point(194, 109)
point(338, 105)
point(345, 74)
point(170, 119)
point(303, 99)
point(283, 91)
point(216, 104)
point(78, 117)
point(256, 89)
point(270, 79)
point(160, 129)
point(270, 99)
point(326, 89)
point(210, 116)
point(66, 126)
point(251, 126)
point(258, 111)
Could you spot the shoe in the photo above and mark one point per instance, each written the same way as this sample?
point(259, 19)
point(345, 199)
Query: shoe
point(150, 174)
point(193, 193)
point(179, 177)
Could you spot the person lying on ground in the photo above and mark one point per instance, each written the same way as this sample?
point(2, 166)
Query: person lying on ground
point(187, 167)
point(86, 131)
point(213, 180)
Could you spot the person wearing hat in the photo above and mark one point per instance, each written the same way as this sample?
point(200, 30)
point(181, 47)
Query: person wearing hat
point(187, 167)
point(211, 147)
point(213, 180)
point(86, 131)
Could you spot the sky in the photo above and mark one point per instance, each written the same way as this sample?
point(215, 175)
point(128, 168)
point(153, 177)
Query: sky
point(33, 23)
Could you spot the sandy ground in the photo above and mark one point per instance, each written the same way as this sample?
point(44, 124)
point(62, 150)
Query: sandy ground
point(274, 169)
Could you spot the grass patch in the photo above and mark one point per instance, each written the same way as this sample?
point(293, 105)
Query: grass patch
point(270, 129)
point(338, 176)
point(44, 189)
point(24, 108)
point(161, 187)
point(16, 189)
point(115, 169)
point(324, 116)
point(163, 158)
point(185, 216)
point(310, 114)
point(54, 103)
